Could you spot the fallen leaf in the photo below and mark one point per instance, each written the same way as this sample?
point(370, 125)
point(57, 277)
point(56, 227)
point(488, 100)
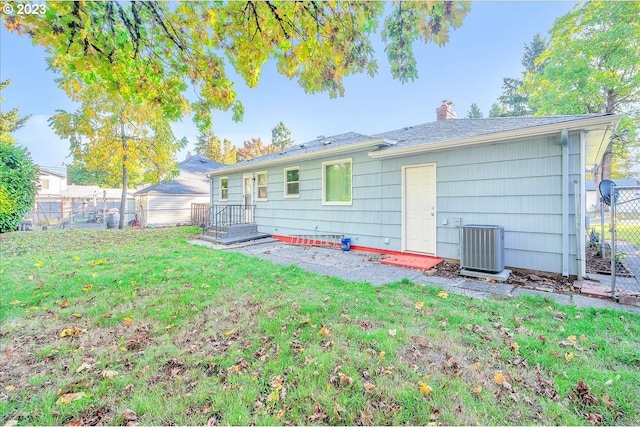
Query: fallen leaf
point(88, 287)
point(594, 419)
point(499, 378)
point(368, 387)
point(14, 302)
point(392, 332)
point(477, 390)
point(69, 397)
point(127, 320)
point(77, 315)
point(280, 413)
point(74, 423)
point(419, 305)
point(229, 333)
point(542, 338)
point(10, 388)
point(109, 373)
point(424, 388)
point(39, 264)
point(129, 415)
point(607, 401)
point(515, 347)
point(325, 332)
point(64, 304)
point(443, 294)
point(83, 366)
point(568, 356)
point(382, 354)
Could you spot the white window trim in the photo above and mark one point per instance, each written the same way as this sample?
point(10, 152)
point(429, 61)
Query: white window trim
point(286, 195)
point(324, 182)
point(220, 198)
point(257, 190)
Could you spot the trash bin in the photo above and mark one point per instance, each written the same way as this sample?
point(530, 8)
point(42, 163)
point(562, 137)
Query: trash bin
point(345, 244)
point(113, 218)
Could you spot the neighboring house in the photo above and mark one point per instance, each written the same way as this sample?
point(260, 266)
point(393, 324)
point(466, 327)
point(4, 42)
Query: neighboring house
point(51, 182)
point(411, 189)
point(169, 202)
point(593, 195)
point(56, 201)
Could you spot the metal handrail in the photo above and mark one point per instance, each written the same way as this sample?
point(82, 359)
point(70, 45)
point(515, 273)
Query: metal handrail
point(228, 215)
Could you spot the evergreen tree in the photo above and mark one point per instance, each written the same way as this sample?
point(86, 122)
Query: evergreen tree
point(474, 112)
point(281, 136)
point(514, 101)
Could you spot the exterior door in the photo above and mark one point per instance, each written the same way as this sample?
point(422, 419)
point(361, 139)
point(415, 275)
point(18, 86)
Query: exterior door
point(420, 208)
point(247, 197)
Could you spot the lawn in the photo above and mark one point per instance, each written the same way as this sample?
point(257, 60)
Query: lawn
point(140, 326)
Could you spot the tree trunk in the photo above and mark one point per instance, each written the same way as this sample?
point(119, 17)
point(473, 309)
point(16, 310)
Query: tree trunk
point(125, 177)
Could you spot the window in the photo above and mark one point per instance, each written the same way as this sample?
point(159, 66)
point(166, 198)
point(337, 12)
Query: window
point(224, 189)
point(292, 182)
point(336, 182)
point(45, 183)
point(262, 185)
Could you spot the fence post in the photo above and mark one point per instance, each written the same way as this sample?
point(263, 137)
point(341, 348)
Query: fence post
point(613, 199)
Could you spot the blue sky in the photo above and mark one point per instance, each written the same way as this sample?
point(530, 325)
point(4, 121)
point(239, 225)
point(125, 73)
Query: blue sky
point(470, 68)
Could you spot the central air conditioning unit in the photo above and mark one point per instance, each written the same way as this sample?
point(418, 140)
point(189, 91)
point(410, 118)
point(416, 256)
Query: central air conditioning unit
point(482, 248)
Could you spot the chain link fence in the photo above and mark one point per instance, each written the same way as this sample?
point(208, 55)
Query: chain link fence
point(625, 238)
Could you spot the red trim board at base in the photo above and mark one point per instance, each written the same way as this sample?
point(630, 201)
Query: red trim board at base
point(400, 259)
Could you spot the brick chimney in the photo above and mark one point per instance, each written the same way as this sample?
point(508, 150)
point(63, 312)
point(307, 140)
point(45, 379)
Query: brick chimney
point(445, 111)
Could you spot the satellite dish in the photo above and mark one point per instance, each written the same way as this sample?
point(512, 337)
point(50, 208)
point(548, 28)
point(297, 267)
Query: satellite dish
point(605, 191)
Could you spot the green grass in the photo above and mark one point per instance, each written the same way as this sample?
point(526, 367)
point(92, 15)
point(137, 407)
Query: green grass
point(196, 334)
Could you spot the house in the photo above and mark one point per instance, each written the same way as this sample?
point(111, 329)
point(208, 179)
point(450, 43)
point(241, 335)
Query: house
point(57, 201)
point(51, 182)
point(412, 189)
point(169, 202)
point(593, 195)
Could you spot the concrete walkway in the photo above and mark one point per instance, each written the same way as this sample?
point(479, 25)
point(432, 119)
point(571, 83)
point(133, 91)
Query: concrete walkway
point(359, 266)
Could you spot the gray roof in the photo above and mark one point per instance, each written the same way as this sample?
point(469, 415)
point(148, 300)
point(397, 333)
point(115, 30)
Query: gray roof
point(424, 134)
point(624, 182)
point(198, 164)
point(318, 144)
point(454, 129)
point(190, 180)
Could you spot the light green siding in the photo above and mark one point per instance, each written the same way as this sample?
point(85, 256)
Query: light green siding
point(516, 184)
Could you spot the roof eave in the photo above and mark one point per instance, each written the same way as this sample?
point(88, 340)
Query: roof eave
point(497, 137)
point(358, 146)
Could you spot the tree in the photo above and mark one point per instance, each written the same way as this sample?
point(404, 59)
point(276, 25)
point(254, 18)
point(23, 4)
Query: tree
point(155, 53)
point(254, 148)
point(281, 136)
point(474, 112)
point(592, 65)
point(514, 101)
point(210, 146)
point(9, 121)
point(230, 153)
point(79, 174)
point(18, 173)
point(130, 143)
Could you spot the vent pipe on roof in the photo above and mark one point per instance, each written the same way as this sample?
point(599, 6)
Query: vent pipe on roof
point(445, 111)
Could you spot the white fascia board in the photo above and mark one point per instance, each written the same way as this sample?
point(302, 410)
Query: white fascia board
point(359, 146)
point(583, 124)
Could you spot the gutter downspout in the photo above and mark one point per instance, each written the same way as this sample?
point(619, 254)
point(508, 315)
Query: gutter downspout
point(581, 209)
point(564, 139)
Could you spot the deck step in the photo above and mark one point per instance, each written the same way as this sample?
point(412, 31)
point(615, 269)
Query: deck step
point(226, 240)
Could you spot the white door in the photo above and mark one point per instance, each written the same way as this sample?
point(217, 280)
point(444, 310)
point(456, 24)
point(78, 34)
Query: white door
point(247, 198)
point(420, 208)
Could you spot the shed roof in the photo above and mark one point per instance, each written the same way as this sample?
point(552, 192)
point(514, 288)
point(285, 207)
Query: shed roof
point(624, 182)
